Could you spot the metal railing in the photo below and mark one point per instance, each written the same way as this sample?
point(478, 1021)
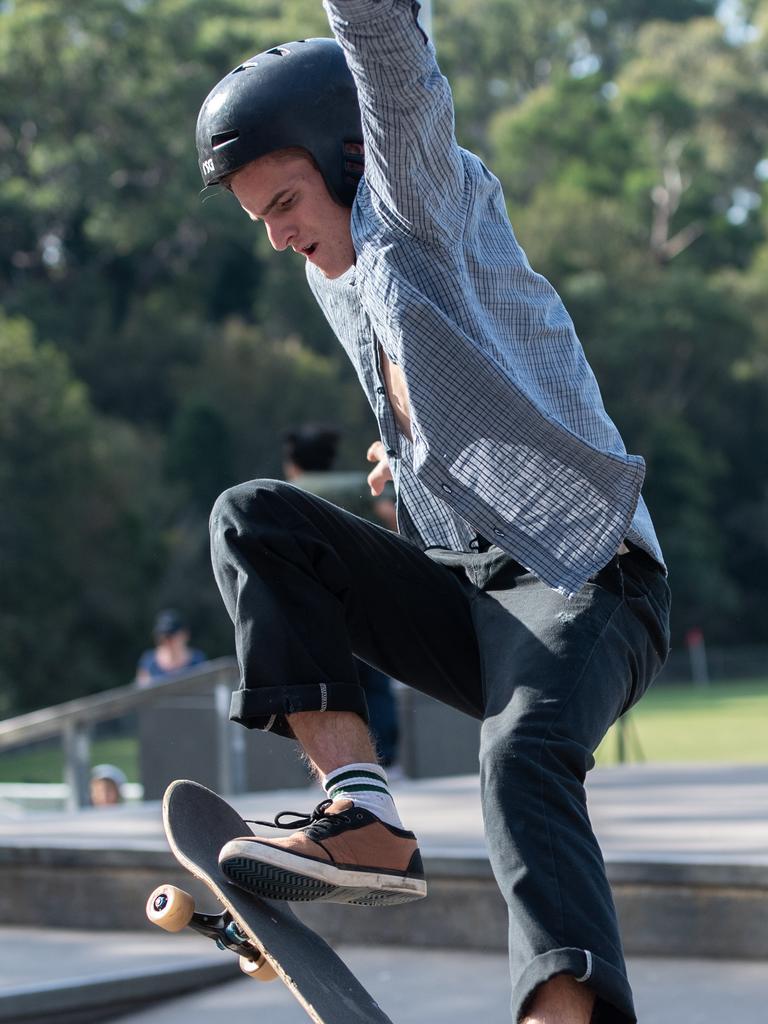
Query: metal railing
point(723, 664)
point(73, 722)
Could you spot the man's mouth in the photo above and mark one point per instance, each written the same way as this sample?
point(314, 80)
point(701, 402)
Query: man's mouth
point(308, 250)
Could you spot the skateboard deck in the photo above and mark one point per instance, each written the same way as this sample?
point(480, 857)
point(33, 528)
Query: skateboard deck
point(267, 933)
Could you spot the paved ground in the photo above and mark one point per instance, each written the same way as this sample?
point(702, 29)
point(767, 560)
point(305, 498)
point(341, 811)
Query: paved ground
point(413, 986)
point(688, 813)
point(62, 954)
point(693, 813)
point(454, 988)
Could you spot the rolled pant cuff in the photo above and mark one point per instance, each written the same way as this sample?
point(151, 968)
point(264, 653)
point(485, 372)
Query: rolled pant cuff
point(614, 997)
point(266, 708)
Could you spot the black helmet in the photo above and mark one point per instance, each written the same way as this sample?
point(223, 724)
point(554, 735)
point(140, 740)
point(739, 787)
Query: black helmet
point(297, 94)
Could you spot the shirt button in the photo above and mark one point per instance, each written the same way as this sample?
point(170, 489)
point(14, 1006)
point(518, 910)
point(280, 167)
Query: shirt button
point(379, 390)
point(391, 453)
point(447, 489)
point(498, 532)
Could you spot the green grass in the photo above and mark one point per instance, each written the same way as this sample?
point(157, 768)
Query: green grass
point(726, 722)
point(44, 762)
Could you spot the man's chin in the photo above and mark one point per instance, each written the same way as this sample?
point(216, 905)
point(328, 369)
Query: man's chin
point(333, 272)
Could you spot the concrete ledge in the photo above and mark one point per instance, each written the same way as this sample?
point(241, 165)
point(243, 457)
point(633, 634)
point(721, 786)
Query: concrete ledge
point(664, 909)
point(86, 855)
point(700, 870)
point(701, 908)
point(89, 1000)
point(86, 887)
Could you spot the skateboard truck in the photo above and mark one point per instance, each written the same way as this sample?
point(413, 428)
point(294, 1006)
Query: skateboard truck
point(174, 909)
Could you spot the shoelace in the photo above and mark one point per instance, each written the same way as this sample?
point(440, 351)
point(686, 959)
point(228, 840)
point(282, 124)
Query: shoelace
point(300, 820)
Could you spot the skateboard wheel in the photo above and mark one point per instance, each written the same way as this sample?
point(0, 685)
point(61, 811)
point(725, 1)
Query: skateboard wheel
point(170, 908)
point(260, 969)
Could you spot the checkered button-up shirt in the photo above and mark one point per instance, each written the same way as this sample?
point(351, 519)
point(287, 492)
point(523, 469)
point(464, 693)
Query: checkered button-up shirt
point(510, 439)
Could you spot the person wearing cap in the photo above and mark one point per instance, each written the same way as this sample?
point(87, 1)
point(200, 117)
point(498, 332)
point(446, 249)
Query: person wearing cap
point(107, 781)
point(526, 587)
point(171, 653)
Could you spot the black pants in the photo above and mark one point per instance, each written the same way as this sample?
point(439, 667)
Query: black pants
point(308, 585)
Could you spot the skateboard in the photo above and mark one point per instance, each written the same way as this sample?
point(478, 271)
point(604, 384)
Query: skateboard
point(267, 936)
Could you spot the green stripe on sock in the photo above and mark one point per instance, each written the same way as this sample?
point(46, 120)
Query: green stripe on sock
point(354, 775)
point(362, 788)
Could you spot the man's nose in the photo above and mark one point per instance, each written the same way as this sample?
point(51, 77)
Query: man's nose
point(279, 235)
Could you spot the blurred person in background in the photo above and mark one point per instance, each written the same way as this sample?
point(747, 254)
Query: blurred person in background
point(171, 653)
point(107, 782)
point(309, 452)
point(310, 448)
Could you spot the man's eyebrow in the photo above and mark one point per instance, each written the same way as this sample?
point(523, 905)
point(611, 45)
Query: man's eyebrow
point(275, 199)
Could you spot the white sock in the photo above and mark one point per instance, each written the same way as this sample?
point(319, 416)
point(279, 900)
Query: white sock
point(366, 785)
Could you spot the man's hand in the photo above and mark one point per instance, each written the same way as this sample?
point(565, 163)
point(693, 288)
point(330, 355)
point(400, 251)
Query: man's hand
point(379, 476)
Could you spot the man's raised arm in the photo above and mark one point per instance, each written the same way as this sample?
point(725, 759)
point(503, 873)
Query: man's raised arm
point(413, 165)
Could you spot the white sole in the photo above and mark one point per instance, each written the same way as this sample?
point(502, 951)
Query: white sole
point(278, 874)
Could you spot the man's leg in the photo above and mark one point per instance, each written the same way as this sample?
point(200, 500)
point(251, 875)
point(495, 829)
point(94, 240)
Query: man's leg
point(561, 1000)
point(557, 673)
point(307, 585)
point(333, 739)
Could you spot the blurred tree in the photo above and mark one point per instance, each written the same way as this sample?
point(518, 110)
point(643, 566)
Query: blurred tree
point(239, 376)
point(77, 506)
point(632, 141)
point(200, 453)
point(103, 242)
point(495, 52)
point(679, 158)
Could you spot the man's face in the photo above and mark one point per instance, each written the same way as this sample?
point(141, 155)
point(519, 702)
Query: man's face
point(290, 196)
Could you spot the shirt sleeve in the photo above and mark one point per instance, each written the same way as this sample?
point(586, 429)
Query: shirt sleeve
point(414, 168)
